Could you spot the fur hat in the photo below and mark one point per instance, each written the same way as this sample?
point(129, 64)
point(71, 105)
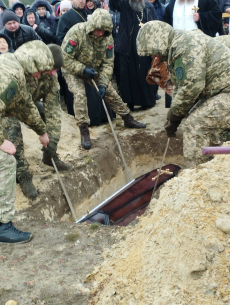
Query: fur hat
point(9, 15)
point(57, 55)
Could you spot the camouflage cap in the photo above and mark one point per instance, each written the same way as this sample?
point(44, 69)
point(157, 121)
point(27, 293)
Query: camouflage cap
point(100, 20)
point(153, 39)
point(35, 56)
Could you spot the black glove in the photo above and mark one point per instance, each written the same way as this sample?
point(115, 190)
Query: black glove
point(89, 73)
point(173, 121)
point(101, 92)
point(50, 150)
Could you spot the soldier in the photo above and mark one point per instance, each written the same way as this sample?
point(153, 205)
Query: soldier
point(88, 54)
point(15, 100)
point(199, 68)
point(45, 85)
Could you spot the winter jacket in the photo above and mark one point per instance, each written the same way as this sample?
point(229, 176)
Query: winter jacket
point(2, 4)
point(127, 19)
point(69, 19)
point(16, 5)
point(199, 65)
point(116, 22)
point(46, 35)
point(159, 8)
point(50, 22)
point(82, 49)
point(23, 34)
point(11, 50)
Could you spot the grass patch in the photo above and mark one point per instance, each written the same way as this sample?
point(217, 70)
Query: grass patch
point(72, 236)
point(94, 226)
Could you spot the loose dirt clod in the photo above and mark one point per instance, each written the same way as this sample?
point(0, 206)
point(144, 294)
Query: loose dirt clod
point(175, 254)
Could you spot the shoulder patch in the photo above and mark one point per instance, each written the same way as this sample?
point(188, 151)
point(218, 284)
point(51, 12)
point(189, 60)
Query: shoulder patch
point(179, 69)
point(8, 94)
point(109, 51)
point(70, 46)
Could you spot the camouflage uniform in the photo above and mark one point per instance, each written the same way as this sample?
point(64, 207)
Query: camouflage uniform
point(15, 101)
point(199, 67)
point(82, 49)
point(46, 88)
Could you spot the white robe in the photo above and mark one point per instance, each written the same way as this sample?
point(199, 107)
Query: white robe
point(183, 16)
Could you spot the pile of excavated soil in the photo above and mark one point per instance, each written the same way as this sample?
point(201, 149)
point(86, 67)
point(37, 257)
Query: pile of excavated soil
point(179, 252)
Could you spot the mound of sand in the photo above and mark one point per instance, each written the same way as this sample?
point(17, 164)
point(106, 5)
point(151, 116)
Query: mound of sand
point(179, 253)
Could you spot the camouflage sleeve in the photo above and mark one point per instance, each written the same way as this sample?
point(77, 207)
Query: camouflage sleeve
point(28, 113)
point(2, 110)
point(106, 69)
point(53, 110)
point(188, 76)
point(70, 48)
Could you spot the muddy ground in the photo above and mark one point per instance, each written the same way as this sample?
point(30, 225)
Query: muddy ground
point(52, 268)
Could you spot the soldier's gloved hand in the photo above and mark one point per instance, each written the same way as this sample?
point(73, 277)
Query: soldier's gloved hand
point(101, 92)
point(172, 123)
point(89, 73)
point(50, 150)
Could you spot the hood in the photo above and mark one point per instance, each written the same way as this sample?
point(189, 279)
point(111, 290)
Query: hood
point(9, 41)
point(46, 4)
point(24, 20)
point(101, 20)
point(34, 56)
point(153, 39)
point(18, 4)
point(2, 4)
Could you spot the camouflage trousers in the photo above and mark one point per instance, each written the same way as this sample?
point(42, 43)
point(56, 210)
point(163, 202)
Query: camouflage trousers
point(13, 132)
point(7, 186)
point(203, 127)
point(77, 87)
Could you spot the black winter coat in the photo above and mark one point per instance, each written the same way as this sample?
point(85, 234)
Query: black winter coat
point(210, 16)
point(23, 34)
point(49, 21)
point(69, 19)
point(46, 35)
point(127, 19)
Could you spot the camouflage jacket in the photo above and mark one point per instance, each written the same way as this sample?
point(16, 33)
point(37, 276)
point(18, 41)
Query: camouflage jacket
point(199, 65)
point(15, 99)
point(46, 87)
point(82, 49)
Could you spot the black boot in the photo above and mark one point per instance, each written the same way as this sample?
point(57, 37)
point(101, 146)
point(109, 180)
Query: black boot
point(61, 166)
point(11, 235)
point(158, 97)
point(85, 136)
point(27, 186)
point(131, 123)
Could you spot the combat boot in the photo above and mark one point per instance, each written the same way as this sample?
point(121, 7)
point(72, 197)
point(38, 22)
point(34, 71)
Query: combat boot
point(131, 123)
point(61, 166)
point(11, 235)
point(85, 136)
point(27, 186)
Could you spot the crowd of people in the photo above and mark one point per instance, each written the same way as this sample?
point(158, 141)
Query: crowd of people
point(59, 48)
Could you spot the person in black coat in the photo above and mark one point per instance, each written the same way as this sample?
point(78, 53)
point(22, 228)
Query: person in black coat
point(45, 11)
point(31, 19)
point(134, 89)
point(18, 33)
point(209, 19)
point(2, 8)
point(19, 8)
